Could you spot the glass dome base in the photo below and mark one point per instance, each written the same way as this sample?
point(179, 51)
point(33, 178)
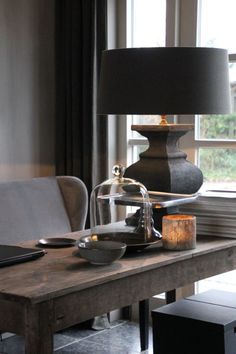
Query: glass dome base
point(133, 243)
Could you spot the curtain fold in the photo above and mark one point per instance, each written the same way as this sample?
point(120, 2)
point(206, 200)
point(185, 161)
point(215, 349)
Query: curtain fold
point(81, 135)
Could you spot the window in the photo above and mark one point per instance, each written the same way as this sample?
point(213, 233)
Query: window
point(216, 135)
point(204, 23)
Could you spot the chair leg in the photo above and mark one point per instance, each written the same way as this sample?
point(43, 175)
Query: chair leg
point(144, 323)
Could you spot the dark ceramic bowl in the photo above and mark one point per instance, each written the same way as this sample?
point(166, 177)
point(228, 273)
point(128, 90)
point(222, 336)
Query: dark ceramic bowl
point(101, 252)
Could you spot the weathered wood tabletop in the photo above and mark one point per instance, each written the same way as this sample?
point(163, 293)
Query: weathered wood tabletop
point(60, 289)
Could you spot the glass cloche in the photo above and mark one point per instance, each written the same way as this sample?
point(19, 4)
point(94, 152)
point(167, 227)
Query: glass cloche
point(120, 211)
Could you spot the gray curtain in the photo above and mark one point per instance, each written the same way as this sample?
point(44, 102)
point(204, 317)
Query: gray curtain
point(81, 135)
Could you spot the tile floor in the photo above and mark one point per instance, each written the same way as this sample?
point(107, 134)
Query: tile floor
point(121, 338)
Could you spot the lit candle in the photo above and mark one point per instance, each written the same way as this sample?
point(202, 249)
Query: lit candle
point(179, 232)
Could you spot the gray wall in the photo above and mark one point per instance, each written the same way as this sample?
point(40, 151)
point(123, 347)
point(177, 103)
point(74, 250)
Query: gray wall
point(26, 88)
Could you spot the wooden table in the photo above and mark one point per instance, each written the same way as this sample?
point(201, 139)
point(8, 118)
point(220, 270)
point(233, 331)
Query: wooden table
point(43, 296)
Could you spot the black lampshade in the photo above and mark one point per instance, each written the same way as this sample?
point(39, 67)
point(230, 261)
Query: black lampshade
point(176, 80)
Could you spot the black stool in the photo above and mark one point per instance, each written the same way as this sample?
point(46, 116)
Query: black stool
point(199, 324)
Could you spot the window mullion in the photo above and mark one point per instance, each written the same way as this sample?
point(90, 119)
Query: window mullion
point(137, 141)
point(188, 11)
point(232, 57)
point(216, 143)
point(172, 22)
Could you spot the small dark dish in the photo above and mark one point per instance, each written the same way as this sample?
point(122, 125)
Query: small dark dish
point(57, 242)
point(101, 252)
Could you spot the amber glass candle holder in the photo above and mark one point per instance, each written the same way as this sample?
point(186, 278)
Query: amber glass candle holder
point(179, 232)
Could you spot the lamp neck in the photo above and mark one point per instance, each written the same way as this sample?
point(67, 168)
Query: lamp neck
point(163, 120)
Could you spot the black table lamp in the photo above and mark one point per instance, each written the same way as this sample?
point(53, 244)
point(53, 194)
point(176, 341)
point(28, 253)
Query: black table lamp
point(164, 81)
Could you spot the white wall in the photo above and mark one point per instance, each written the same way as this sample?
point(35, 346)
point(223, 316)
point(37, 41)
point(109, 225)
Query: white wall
point(26, 88)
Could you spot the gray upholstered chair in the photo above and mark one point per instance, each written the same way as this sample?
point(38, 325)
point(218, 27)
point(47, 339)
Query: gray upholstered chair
point(44, 206)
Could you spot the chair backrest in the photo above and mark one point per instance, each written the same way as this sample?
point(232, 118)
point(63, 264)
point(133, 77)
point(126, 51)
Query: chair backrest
point(75, 198)
point(39, 207)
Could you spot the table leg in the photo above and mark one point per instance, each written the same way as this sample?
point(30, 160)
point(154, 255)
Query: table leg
point(38, 330)
point(127, 312)
point(144, 317)
point(144, 323)
point(171, 296)
point(35, 343)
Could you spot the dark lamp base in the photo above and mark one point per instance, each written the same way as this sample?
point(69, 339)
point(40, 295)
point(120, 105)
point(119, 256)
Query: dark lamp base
point(163, 167)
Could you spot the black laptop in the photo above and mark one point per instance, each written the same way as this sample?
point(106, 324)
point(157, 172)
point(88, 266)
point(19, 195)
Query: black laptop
point(10, 254)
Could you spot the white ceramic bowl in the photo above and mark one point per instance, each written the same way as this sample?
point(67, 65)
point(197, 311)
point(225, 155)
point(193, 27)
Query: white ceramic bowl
point(101, 252)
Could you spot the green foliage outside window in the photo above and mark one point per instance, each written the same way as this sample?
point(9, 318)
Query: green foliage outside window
point(218, 164)
point(218, 126)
